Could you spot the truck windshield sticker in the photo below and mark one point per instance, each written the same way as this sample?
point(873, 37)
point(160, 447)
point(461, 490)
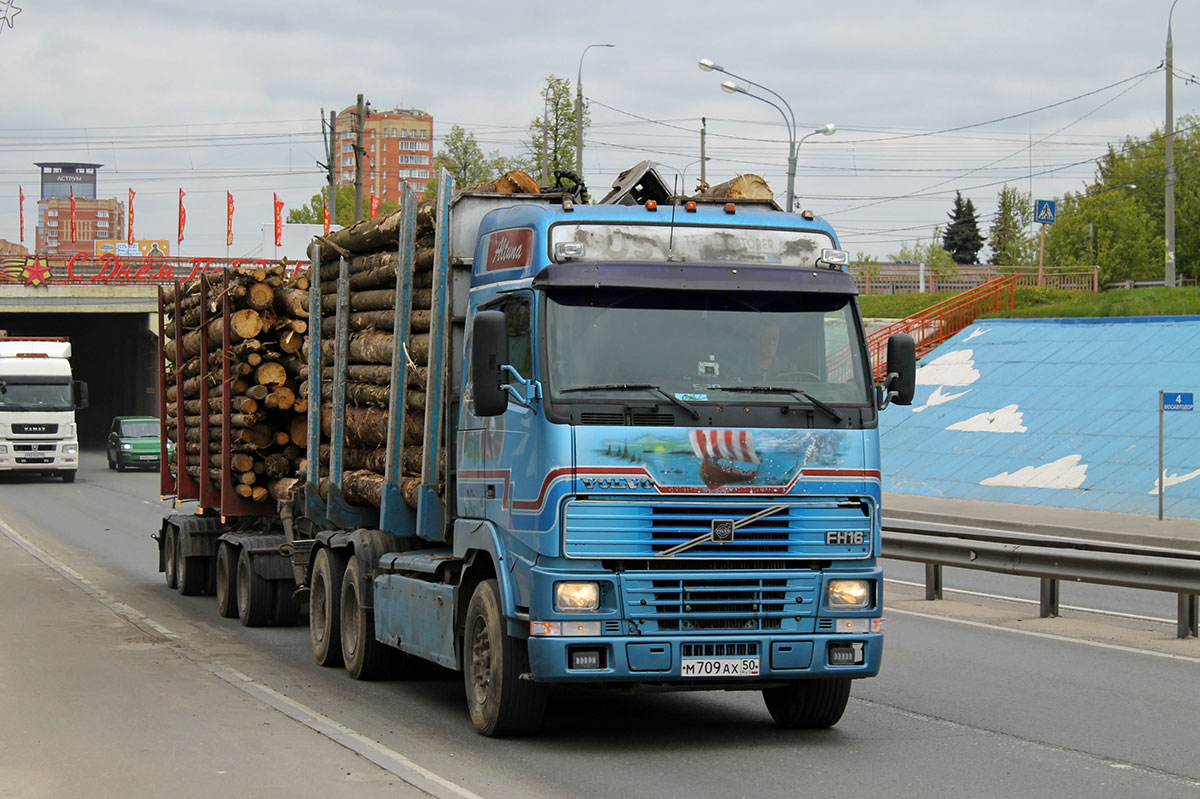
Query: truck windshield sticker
point(508, 249)
point(692, 243)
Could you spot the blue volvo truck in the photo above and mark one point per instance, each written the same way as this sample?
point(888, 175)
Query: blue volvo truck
point(639, 450)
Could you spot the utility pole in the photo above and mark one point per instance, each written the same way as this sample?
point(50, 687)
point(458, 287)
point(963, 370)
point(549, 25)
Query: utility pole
point(703, 158)
point(331, 199)
point(1169, 274)
point(358, 161)
point(545, 139)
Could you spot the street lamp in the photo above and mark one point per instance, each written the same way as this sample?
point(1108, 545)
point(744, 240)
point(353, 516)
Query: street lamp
point(579, 110)
point(1169, 273)
point(789, 119)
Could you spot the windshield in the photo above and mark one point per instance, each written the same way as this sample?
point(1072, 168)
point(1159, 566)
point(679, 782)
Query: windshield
point(701, 347)
point(16, 395)
point(139, 429)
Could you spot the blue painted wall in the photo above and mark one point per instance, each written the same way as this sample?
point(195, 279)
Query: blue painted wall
point(1059, 412)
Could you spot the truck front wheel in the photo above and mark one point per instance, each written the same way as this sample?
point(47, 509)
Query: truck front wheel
point(500, 702)
point(808, 704)
point(325, 607)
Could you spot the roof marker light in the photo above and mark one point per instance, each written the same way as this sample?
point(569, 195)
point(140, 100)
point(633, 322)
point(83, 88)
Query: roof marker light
point(567, 205)
point(651, 205)
point(691, 206)
point(807, 215)
point(730, 208)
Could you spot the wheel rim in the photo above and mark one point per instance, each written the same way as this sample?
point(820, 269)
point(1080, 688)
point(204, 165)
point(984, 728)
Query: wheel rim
point(316, 608)
point(481, 661)
point(349, 621)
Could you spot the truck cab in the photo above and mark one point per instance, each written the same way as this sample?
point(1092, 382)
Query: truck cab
point(38, 400)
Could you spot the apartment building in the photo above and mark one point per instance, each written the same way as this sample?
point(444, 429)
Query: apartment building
point(398, 148)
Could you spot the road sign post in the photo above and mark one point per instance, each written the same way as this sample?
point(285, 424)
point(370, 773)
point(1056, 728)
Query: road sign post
point(1169, 401)
point(1044, 212)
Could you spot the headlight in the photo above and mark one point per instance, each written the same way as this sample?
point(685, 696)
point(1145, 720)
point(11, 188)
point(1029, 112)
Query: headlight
point(3, 449)
point(127, 446)
point(848, 594)
point(577, 596)
point(70, 449)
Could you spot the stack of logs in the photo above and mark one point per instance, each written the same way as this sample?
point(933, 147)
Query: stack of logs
point(268, 325)
point(372, 251)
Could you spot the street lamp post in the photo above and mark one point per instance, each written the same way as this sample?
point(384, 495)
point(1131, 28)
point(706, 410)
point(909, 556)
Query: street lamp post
point(789, 119)
point(579, 110)
point(1169, 274)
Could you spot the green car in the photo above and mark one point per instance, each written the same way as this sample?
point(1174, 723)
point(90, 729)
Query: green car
point(133, 441)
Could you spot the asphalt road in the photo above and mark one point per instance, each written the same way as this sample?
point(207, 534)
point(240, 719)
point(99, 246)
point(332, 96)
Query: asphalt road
point(975, 699)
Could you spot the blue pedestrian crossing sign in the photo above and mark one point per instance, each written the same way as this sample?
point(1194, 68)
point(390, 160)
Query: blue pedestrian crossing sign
point(1178, 401)
point(1044, 211)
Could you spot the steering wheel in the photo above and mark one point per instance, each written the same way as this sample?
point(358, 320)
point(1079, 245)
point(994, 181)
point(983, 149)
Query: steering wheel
point(801, 374)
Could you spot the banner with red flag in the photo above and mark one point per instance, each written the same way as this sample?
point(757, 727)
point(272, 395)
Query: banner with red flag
point(278, 220)
point(374, 206)
point(72, 214)
point(325, 212)
point(228, 219)
point(21, 211)
point(129, 237)
point(182, 217)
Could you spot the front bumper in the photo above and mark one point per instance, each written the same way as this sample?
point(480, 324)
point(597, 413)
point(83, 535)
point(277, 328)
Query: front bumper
point(38, 457)
point(658, 659)
point(141, 459)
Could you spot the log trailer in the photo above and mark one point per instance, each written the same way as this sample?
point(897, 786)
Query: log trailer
point(544, 446)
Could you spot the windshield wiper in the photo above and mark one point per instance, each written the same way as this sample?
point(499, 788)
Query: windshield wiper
point(798, 393)
point(638, 387)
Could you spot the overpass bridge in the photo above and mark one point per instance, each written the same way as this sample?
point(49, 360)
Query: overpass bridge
point(106, 306)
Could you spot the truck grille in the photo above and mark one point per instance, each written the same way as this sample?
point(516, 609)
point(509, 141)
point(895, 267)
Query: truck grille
point(633, 529)
point(726, 602)
point(34, 429)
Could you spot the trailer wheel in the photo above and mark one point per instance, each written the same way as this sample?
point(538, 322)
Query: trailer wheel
point(227, 592)
point(285, 610)
point(366, 658)
point(325, 607)
point(500, 702)
point(169, 544)
point(253, 593)
point(808, 704)
point(191, 572)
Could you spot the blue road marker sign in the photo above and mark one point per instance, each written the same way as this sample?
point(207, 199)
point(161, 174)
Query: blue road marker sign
point(1178, 401)
point(1044, 211)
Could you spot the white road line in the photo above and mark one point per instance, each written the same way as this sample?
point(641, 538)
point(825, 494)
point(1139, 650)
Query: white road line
point(1025, 601)
point(1050, 636)
point(387, 759)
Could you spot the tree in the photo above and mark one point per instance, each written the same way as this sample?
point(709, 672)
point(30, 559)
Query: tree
point(932, 254)
point(1009, 235)
point(1110, 229)
point(962, 238)
point(311, 214)
point(558, 123)
point(464, 159)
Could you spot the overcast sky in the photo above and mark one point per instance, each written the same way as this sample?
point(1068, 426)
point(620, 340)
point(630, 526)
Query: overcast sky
point(221, 95)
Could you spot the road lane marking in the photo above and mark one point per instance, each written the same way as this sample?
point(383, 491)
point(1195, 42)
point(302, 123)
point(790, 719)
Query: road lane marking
point(1050, 636)
point(387, 759)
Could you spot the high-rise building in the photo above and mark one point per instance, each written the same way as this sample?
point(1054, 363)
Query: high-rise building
point(398, 147)
point(94, 220)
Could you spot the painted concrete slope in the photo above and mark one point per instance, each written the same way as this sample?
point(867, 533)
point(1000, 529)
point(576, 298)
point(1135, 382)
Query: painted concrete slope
point(1059, 412)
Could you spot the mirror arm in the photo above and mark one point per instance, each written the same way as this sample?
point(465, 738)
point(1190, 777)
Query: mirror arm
point(529, 391)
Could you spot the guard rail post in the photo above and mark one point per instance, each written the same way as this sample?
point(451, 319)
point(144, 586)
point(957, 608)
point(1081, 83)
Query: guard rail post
point(933, 581)
point(1049, 598)
point(1187, 627)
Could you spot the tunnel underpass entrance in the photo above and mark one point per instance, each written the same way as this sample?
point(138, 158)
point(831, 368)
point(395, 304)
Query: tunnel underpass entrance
point(114, 353)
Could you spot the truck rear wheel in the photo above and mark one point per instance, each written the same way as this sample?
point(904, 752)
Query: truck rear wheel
point(366, 658)
point(325, 607)
point(808, 704)
point(227, 599)
point(500, 702)
point(285, 610)
point(253, 593)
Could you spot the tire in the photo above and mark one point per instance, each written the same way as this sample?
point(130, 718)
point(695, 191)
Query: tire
point(808, 704)
point(227, 593)
point(111, 463)
point(254, 594)
point(191, 573)
point(325, 607)
point(68, 477)
point(500, 702)
point(170, 541)
point(365, 657)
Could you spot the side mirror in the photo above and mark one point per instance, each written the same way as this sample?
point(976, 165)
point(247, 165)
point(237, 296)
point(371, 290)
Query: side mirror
point(81, 395)
point(901, 381)
point(489, 351)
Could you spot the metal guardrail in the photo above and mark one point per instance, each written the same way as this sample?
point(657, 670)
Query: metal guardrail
point(1049, 559)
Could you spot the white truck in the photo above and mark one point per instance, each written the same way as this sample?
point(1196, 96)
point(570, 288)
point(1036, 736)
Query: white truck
point(38, 400)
